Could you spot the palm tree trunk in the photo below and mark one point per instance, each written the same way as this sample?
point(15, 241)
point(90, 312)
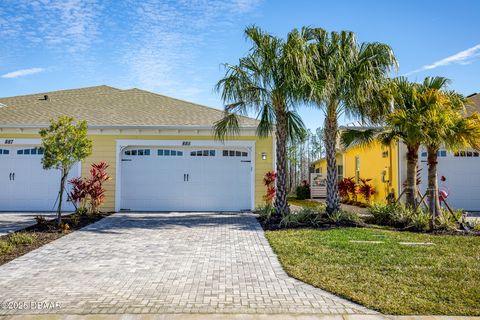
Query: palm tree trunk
point(281, 205)
point(411, 187)
point(433, 200)
point(333, 201)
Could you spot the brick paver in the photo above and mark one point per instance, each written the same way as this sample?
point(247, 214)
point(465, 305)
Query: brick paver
point(163, 263)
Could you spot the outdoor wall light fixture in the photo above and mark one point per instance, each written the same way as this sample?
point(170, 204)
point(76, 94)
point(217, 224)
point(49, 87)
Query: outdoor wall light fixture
point(264, 156)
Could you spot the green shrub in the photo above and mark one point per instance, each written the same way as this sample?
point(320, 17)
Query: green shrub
point(41, 220)
point(419, 221)
point(6, 247)
point(81, 211)
point(403, 216)
point(475, 225)
point(304, 217)
point(75, 219)
point(21, 238)
point(399, 216)
point(382, 214)
point(265, 212)
point(341, 217)
point(303, 191)
point(448, 221)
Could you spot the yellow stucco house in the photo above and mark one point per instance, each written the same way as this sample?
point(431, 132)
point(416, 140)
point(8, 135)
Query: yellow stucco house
point(161, 152)
point(376, 162)
point(386, 166)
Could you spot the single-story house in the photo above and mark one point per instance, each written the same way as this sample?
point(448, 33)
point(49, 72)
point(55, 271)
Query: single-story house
point(162, 152)
point(376, 162)
point(387, 165)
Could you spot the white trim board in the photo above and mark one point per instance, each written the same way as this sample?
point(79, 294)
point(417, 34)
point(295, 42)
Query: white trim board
point(19, 141)
point(121, 144)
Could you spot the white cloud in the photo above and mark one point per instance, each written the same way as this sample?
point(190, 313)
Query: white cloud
point(21, 73)
point(462, 57)
point(70, 25)
point(166, 38)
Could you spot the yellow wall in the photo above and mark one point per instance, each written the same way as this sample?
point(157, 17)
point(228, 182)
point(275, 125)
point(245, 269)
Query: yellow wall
point(322, 164)
point(372, 166)
point(104, 149)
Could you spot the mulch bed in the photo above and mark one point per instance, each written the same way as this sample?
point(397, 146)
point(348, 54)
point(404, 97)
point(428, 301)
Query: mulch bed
point(48, 231)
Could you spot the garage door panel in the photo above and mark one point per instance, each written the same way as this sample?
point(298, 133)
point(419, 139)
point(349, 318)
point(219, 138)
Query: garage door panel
point(462, 180)
point(26, 185)
point(200, 179)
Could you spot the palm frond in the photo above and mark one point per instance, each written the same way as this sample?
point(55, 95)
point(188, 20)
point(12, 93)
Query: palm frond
point(437, 83)
point(295, 126)
point(227, 126)
point(359, 137)
point(267, 121)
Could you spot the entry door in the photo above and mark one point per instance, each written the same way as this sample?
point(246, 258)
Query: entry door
point(183, 179)
point(25, 185)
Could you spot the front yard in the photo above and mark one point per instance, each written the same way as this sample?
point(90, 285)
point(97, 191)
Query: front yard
point(373, 268)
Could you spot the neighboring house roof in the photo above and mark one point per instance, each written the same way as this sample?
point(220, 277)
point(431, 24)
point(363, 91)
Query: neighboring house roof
point(473, 103)
point(107, 106)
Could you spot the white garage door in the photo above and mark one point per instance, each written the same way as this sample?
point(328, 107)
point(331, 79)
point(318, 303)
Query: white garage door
point(185, 179)
point(462, 173)
point(25, 185)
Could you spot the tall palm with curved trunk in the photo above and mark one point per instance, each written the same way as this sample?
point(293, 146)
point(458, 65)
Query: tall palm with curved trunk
point(266, 81)
point(445, 124)
point(402, 123)
point(346, 77)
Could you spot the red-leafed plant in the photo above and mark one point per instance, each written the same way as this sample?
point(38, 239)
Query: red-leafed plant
point(96, 192)
point(269, 182)
point(79, 194)
point(366, 189)
point(89, 193)
point(347, 188)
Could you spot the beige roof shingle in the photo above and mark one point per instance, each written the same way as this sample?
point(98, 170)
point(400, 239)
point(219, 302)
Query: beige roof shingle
point(473, 103)
point(107, 106)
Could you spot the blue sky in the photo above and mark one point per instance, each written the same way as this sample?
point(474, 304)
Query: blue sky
point(176, 47)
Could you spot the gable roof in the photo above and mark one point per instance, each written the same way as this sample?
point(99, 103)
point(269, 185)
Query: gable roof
point(473, 103)
point(107, 106)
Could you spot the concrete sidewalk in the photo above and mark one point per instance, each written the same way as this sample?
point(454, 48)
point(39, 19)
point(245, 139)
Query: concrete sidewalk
point(228, 317)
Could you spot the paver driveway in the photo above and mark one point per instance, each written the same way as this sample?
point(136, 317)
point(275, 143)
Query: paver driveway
point(163, 263)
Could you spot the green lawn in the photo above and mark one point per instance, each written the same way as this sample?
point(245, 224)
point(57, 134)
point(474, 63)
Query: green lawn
point(303, 203)
point(443, 278)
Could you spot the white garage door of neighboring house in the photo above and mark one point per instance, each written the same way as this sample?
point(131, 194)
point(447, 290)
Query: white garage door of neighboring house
point(185, 179)
point(462, 171)
point(25, 185)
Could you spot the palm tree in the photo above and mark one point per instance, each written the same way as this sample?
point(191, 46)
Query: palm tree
point(266, 81)
point(401, 124)
point(346, 77)
point(444, 124)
